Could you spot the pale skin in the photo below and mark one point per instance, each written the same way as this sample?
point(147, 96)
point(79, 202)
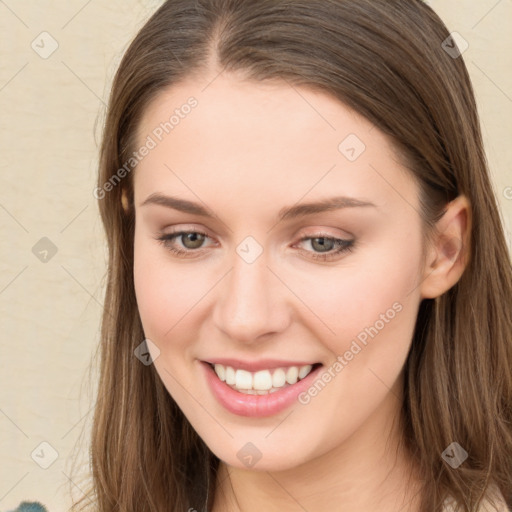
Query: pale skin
point(245, 152)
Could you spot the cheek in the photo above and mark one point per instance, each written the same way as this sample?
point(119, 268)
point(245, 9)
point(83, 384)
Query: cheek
point(165, 299)
point(146, 269)
point(159, 291)
point(374, 290)
point(370, 308)
point(170, 296)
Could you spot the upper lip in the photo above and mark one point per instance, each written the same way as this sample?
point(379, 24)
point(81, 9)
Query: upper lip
point(254, 366)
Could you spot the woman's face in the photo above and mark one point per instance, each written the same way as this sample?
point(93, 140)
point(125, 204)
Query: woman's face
point(338, 287)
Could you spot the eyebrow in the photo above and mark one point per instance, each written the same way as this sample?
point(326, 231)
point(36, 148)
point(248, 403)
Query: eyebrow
point(286, 213)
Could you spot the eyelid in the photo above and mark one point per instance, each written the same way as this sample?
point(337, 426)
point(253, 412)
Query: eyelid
point(324, 232)
point(184, 228)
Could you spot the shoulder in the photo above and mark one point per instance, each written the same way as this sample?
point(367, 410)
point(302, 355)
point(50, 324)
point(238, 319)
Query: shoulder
point(30, 506)
point(493, 502)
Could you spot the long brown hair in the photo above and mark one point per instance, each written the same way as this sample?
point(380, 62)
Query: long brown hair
point(386, 60)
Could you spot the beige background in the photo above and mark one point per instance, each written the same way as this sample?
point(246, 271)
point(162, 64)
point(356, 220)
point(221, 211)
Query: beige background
point(50, 118)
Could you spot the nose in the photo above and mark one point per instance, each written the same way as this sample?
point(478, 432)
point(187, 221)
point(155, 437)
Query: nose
point(251, 302)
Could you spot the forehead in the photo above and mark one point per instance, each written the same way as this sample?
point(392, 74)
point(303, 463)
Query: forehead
point(264, 137)
point(230, 102)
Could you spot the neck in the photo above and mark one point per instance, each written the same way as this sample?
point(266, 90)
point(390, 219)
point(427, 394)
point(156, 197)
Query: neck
point(368, 471)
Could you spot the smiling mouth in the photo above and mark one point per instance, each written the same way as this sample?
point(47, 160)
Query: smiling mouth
point(262, 382)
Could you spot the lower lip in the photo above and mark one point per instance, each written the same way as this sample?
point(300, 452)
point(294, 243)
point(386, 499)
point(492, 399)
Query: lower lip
point(256, 406)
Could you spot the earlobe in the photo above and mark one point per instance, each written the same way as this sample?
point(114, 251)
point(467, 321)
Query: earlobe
point(450, 250)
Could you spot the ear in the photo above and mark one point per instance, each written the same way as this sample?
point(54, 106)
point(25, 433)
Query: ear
point(448, 255)
point(124, 200)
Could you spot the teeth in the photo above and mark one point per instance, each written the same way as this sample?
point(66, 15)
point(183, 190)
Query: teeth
point(304, 371)
point(221, 372)
point(243, 379)
point(255, 392)
point(292, 375)
point(279, 378)
point(230, 375)
point(261, 382)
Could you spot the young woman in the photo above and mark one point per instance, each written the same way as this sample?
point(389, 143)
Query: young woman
point(308, 302)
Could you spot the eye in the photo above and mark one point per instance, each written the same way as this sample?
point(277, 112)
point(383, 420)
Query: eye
point(326, 244)
point(191, 240)
point(325, 248)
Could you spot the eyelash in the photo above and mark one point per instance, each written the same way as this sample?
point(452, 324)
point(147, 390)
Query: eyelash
point(343, 245)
